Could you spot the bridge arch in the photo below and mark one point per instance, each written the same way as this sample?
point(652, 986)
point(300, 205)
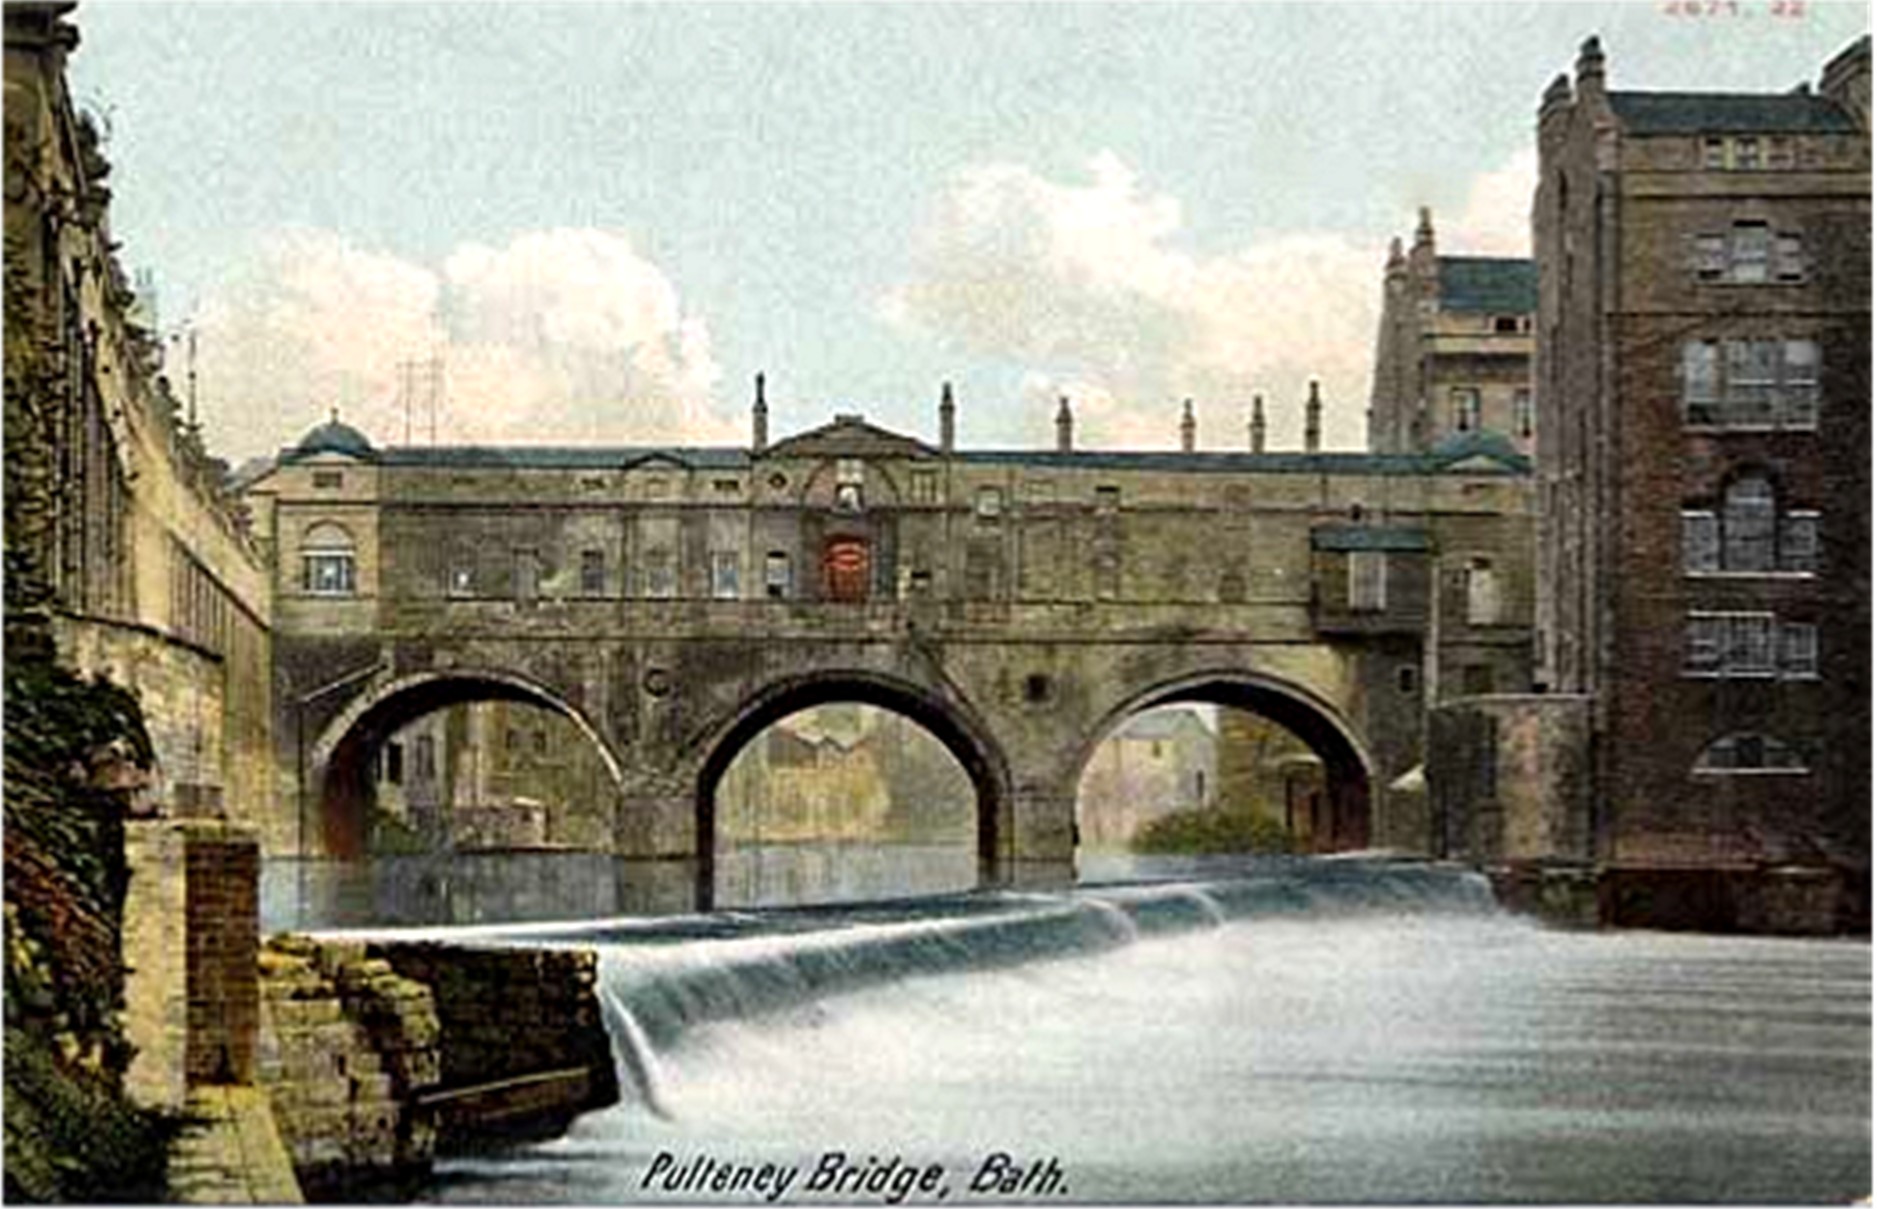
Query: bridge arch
point(1349, 768)
point(338, 765)
point(964, 735)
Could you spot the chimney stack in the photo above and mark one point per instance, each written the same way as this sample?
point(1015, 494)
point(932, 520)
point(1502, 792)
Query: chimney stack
point(948, 420)
point(1257, 423)
point(1065, 427)
point(1590, 68)
point(759, 419)
point(1312, 420)
point(1189, 429)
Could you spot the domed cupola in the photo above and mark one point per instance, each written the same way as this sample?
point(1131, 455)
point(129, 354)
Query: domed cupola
point(334, 437)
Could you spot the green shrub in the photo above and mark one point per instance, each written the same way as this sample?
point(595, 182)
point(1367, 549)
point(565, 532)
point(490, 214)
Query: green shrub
point(1212, 831)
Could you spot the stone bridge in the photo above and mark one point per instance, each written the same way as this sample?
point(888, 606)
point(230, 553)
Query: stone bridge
point(672, 603)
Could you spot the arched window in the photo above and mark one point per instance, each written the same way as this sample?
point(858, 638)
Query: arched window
point(328, 561)
point(1750, 535)
point(1749, 753)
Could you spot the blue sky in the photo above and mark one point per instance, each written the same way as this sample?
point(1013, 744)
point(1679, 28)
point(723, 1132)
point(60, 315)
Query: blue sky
point(606, 218)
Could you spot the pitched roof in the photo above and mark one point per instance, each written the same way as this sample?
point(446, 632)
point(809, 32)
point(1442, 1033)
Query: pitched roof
point(1220, 462)
point(1488, 283)
point(850, 435)
point(1729, 112)
point(562, 457)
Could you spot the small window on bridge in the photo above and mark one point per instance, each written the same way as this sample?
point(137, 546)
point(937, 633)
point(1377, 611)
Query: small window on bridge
point(1368, 581)
point(776, 575)
point(329, 562)
point(990, 503)
point(725, 575)
point(924, 487)
point(592, 572)
point(327, 480)
point(1407, 679)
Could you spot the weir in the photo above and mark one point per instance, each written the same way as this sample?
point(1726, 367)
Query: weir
point(1282, 1030)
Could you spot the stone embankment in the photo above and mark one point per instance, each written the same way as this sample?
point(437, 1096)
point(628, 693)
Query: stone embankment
point(1776, 900)
point(378, 1056)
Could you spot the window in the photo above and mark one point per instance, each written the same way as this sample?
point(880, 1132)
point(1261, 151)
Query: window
point(919, 583)
point(1524, 418)
point(1407, 679)
point(1788, 257)
point(1505, 323)
point(394, 763)
point(424, 760)
point(1714, 154)
point(1748, 522)
point(1482, 593)
point(1700, 543)
point(1465, 408)
point(1750, 383)
point(1750, 254)
point(725, 575)
point(1368, 580)
point(1749, 753)
point(593, 572)
point(1107, 499)
point(1749, 536)
point(328, 562)
point(925, 487)
point(1798, 543)
point(1039, 491)
point(661, 575)
point(725, 486)
point(1779, 152)
point(990, 503)
point(1747, 154)
point(327, 480)
point(1749, 646)
point(851, 471)
point(1752, 241)
point(776, 575)
point(462, 578)
point(1798, 650)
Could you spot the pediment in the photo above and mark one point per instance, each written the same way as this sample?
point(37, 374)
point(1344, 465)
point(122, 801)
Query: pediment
point(850, 437)
point(1479, 463)
point(657, 459)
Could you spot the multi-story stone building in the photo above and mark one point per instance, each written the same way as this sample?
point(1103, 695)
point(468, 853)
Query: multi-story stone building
point(124, 545)
point(853, 543)
point(1453, 355)
point(1703, 384)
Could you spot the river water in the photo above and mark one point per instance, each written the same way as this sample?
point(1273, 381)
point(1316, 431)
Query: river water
point(1298, 1032)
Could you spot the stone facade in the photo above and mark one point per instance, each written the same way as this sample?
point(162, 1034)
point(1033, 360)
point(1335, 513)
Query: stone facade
point(123, 540)
point(1454, 352)
point(1703, 378)
point(672, 602)
point(1156, 764)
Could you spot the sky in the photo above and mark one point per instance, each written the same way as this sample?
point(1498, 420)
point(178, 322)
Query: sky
point(603, 220)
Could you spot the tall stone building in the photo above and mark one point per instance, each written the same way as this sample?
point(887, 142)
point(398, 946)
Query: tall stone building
point(1453, 355)
point(1703, 384)
point(125, 547)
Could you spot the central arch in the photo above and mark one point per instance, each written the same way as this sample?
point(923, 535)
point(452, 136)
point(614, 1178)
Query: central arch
point(962, 735)
point(1348, 767)
point(338, 767)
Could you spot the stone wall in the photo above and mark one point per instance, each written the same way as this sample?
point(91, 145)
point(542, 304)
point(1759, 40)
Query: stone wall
point(1508, 778)
point(348, 1050)
point(523, 1045)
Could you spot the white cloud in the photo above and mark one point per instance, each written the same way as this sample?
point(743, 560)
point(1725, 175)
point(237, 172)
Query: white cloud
point(1497, 217)
point(1083, 286)
point(561, 335)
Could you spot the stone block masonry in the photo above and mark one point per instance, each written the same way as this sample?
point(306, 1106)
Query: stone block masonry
point(348, 1049)
point(222, 875)
point(524, 1048)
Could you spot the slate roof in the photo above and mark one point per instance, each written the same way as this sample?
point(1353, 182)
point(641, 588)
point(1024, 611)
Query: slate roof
point(1499, 285)
point(1239, 463)
point(562, 457)
point(1729, 112)
point(1369, 537)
